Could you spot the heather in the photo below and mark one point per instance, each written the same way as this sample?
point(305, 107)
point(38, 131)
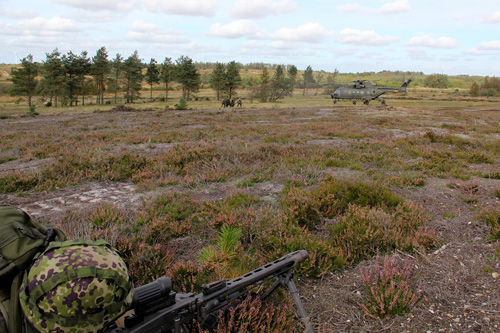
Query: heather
point(390, 203)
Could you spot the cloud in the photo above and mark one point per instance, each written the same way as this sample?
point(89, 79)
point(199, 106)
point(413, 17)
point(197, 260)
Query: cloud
point(190, 7)
point(39, 26)
point(485, 48)
point(184, 7)
point(395, 7)
point(255, 9)
point(17, 13)
point(398, 6)
point(418, 54)
point(365, 37)
point(309, 33)
point(436, 43)
point(237, 29)
point(350, 8)
point(98, 5)
point(197, 48)
point(283, 45)
point(285, 51)
point(494, 45)
point(143, 32)
point(492, 18)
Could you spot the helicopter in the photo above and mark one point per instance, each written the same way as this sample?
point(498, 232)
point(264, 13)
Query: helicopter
point(365, 90)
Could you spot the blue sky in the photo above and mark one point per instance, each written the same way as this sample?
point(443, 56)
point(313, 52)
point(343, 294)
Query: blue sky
point(435, 36)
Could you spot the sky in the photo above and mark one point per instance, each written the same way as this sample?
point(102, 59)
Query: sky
point(431, 36)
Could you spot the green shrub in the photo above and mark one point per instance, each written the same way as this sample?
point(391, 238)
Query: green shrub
point(362, 231)
point(239, 199)
point(162, 229)
point(174, 206)
point(301, 206)
point(235, 211)
point(252, 181)
point(167, 216)
point(182, 105)
point(335, 196)
point(224, 257)
point(282, 238)
point(332, 198)
point(18, 182)
point(106, 215)
point(32, 110)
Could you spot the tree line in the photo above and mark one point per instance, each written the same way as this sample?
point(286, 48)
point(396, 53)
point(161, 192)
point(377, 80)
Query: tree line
point(75, 76)
point(69, 78)
point(489, 87)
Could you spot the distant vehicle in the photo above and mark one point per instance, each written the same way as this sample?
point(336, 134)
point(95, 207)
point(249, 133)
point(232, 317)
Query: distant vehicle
point(365, 91)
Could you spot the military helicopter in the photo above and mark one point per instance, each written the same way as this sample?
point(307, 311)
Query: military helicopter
point(365, 91)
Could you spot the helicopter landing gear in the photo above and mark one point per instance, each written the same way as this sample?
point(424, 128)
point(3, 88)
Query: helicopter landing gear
point(366, 102)
point(334, 101)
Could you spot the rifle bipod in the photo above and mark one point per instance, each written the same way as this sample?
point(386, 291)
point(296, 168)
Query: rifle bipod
point(286, 280)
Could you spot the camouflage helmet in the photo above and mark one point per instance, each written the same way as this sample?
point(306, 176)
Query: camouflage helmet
point(77, 286)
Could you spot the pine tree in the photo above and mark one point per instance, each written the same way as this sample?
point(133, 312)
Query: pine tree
point(233, 78)
point(100, 69)
point(152, 75)
point(308, 78)
point(292, 73)
point(167, 74)
point(187, 75)
point(280, 85)
point(76, 67)
point(474, 89)
point(24, 78)
point(117, 67)
point(218, 78)
point(132, 67)
point(54, 75)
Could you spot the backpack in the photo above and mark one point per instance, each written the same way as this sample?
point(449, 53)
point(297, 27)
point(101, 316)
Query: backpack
point(21, 239)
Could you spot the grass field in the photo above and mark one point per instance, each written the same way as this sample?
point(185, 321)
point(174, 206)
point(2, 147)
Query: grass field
point(417, 180)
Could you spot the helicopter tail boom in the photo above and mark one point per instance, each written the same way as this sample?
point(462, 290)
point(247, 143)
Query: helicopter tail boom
point(404, 85)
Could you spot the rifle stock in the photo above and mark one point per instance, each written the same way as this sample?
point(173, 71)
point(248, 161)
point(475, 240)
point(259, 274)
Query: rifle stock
point(158, 309)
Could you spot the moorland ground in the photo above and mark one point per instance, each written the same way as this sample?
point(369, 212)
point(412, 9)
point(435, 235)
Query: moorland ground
point(268, 169)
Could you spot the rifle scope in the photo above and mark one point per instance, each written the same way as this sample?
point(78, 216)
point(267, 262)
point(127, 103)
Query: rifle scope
point(151, 293)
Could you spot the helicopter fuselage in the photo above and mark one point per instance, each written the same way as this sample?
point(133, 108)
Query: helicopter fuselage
point(365, 91)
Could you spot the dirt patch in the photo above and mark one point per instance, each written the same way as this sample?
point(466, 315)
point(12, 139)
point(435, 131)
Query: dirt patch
point(18, 166)
point(55, 203)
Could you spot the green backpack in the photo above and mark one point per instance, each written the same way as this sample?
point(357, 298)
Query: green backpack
point(21, 239)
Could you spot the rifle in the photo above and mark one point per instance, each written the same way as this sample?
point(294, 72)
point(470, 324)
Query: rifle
point(158, 309)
